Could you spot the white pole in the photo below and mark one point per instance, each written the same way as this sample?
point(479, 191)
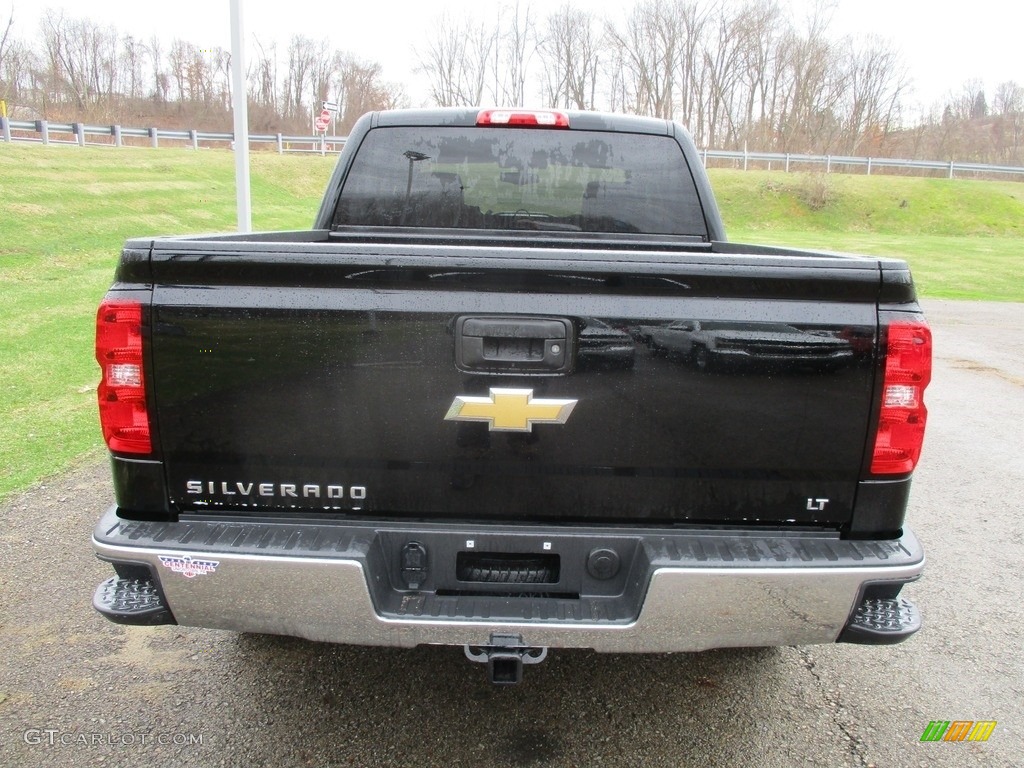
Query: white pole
point(241, 112)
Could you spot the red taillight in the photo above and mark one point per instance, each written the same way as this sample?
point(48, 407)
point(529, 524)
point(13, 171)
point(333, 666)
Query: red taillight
point(122, 389)
point(529, 118)
point(908, 369)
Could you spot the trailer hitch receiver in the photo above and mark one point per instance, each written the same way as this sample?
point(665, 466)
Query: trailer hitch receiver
point(505, 657)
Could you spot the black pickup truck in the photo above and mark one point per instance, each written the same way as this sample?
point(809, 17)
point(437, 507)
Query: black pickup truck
point(432, 419)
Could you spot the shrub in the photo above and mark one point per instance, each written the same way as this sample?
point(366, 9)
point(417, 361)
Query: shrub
point(815, 190)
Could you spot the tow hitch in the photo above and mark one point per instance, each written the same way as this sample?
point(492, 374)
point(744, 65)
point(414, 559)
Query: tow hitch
point(505, 657)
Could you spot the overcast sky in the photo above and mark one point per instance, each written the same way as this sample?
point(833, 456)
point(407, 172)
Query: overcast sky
point(944, 44)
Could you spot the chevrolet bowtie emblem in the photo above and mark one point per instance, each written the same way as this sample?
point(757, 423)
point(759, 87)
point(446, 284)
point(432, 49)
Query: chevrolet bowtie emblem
point(510, 410)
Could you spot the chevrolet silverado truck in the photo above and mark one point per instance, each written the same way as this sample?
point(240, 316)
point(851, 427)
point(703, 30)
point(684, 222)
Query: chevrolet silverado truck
point(427, 420)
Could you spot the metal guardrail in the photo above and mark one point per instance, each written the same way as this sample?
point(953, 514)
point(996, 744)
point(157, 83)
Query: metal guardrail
point(41, 131)
point(950, 168)
point(44, 132)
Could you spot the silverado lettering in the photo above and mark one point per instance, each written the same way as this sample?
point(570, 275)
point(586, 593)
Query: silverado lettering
point(293, 490)
point(587, 420)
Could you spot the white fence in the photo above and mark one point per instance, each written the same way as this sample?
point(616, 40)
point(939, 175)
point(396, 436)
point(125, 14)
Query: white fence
point(41, 131)
point(832, 162)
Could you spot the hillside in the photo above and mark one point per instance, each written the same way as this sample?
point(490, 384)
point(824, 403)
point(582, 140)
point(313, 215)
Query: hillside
point(961, 237)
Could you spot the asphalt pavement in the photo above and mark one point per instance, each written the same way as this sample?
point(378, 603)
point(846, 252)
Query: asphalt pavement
point(76, 690)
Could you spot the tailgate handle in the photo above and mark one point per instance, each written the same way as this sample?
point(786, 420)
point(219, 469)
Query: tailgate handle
point(513, 344)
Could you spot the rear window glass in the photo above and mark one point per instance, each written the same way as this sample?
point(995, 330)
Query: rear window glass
point(520, 178)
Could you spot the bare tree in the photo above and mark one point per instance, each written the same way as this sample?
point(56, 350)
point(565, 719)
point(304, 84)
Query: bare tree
point(297, 59)
point(514, 46)
point(221, 67)
point(442, 62)
point(82, 61)
point(963, 105)
point(161, 82)
point(723, 55)
point(9, 75)
point(132, 56)
point(480, 42)
point(5, 37)
point(760, 25)
point(1009, 99)
point(177, 59)
point(322, 68)
point(64, 68)
point(312, 69)
point(812, 86)
point(361, 90)
point(570, 55)
point(647, 48)
point(456, 61)
point(264, 77)
point(264, 88)
point(202, 76)
point(692, 85)
point(875, 79)
point(1008, 122)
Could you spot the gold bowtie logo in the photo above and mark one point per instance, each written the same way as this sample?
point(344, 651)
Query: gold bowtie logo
point(510, 410)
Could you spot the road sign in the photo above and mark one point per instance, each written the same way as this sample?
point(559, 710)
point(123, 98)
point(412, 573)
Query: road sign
point(331, 106)
point(323, 120)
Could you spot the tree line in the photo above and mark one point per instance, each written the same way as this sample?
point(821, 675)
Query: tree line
point(78, 69)
point(737, 73)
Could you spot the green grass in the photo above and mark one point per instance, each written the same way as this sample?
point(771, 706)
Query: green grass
point(890, 205)
point(961, 238)
point(65, 211)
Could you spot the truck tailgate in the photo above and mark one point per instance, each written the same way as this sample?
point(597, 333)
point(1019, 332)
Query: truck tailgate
point(503, 382)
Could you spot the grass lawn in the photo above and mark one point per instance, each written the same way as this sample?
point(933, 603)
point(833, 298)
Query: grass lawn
point(65, 211)
point(963, 239)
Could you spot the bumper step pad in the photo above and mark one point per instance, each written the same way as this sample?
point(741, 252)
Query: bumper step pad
point(882, 621)
point(131, 601)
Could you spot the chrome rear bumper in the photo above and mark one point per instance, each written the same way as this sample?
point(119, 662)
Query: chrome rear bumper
point(682, 592)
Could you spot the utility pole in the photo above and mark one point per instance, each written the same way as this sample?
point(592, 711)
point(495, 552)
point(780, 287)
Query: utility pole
point(241, 113)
